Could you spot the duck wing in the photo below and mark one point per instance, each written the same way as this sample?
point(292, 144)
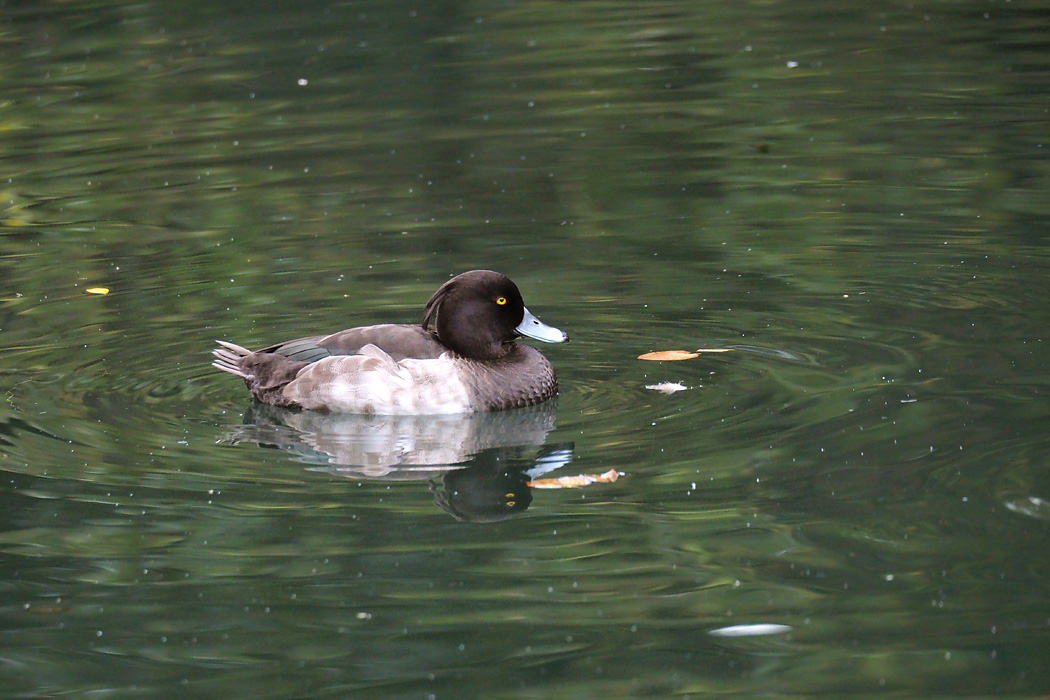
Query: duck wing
point(399, 341)
point(376, 349)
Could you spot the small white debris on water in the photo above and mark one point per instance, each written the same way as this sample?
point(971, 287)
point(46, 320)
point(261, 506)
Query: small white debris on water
point(756, 630)
point(667, 387)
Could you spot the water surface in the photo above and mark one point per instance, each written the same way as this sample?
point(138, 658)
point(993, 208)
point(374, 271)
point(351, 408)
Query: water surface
point(851, 502)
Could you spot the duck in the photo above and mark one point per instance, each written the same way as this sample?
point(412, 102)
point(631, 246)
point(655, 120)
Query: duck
point(462, 358)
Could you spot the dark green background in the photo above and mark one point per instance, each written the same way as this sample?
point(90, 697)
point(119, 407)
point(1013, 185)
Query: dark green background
point(852, 195)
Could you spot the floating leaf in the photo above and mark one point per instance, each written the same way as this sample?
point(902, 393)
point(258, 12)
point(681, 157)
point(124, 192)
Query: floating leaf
point(573, 482)
point(46, 609)
point(668, 355)
point(97, 290)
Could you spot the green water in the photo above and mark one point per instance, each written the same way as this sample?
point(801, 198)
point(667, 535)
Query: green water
point(853, 198)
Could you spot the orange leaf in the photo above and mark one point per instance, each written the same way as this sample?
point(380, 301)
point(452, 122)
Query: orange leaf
point(668, 355)
point(573, 482)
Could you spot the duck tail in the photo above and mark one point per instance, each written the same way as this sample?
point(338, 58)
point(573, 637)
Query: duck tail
point(229, 358)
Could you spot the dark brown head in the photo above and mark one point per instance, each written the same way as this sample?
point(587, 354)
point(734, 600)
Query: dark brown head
point(476, 314)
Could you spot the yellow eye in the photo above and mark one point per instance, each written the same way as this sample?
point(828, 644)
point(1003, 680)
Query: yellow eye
point(501, 301)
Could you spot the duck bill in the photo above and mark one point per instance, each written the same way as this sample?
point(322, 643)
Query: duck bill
point(532, 327)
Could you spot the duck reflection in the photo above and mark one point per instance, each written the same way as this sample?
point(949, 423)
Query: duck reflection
point(493, 487)
point(478, 464)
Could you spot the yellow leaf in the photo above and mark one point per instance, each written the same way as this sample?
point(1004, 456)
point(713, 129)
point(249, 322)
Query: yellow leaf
point(97, 290)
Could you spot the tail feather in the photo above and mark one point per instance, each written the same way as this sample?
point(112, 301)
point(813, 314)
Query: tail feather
point(229, 358)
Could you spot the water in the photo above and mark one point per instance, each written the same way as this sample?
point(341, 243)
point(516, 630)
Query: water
point(851, 502)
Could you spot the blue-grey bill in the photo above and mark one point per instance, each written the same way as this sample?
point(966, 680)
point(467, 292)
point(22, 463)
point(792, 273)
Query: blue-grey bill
point(532, 327)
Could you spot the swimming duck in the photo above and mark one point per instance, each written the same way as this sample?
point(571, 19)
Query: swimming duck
point(461, 359)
